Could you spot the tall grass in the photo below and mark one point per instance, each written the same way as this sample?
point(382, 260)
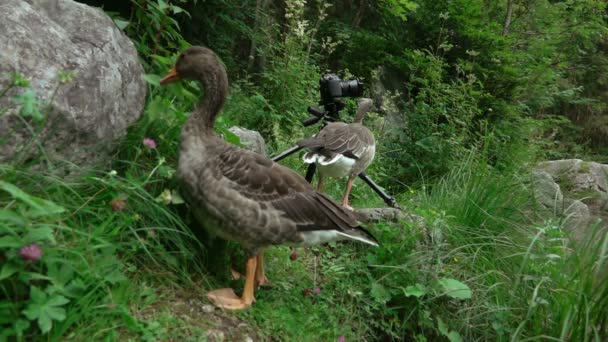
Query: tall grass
point(92, 250)
point(529, 279)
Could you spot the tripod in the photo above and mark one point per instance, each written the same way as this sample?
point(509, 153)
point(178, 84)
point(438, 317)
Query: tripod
point(331, 114)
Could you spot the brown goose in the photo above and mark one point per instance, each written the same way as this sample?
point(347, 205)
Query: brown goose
point(342, 149)
point(243, 196)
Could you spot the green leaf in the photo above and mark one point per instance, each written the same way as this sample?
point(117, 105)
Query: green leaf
point(379, 293)
point(162, 5)
point(60, 272)
point(166, 171)
point(177, 9)
point(20, 326)
point(442, 327)
point(37, 295)
point(417, 290)
point(45, 322)
point(8, 269)
point(8, 241)
point(162, 59)
point(66, 76)
point(74, 289)
point(121, 23)
point(36, 276)
point(399, 8)
point(455, 289)
point(176, 198)
point(231, 137)
point(12, 217)
point(18, 80)
point(58, 301)
point(152, 79)
point(115, 277)
point(45, 309)
point(39, 234)
point(157, 107)
point(453, 335)
point(29, 105)
point(39, 206)
point(130, 322)
point(8, 310)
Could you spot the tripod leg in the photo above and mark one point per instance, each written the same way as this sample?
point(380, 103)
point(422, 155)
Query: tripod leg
point(286, 153)
point(310, 172)
point(389, 200)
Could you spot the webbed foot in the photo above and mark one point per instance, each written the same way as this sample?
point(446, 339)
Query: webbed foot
point(227, 299)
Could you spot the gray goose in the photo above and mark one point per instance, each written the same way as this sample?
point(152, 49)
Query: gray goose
point(341, 150)
point(243, 196)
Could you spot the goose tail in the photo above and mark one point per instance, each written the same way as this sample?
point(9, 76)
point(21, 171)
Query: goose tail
point(360, 234)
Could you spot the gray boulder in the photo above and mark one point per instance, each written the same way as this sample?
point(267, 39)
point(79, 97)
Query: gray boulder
point(252, 140)
point(584, 187)
point(40, 39)
point(603, 202)
point(547, 192)
point(585, 181)
point(577, 216)
point(597, 179)
point(381, 215)
point(578, 175)
point(560, 168)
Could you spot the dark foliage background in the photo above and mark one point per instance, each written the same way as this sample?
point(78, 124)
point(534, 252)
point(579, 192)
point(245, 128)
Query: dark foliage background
point(525, 78)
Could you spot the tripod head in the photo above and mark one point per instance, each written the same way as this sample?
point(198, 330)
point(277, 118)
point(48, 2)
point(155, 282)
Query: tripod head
point(330, 113)
point(331, 89)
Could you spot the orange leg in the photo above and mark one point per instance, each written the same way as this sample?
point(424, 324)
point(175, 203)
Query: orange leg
point(349, 185)
point(320, 184)
point(227, 299)
point(260, 276)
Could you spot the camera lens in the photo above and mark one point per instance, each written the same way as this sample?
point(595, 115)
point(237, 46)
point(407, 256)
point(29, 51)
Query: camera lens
point(352, 88)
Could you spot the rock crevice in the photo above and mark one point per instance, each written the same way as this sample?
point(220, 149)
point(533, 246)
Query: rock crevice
point(573, 189)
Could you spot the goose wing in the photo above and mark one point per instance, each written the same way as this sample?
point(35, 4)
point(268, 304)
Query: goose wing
point(350, 140)
point(275, 187)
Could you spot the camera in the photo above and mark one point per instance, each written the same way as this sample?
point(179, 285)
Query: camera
point(332, 86)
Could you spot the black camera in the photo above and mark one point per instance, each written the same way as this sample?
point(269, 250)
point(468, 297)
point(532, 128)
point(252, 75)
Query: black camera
point(332, 86)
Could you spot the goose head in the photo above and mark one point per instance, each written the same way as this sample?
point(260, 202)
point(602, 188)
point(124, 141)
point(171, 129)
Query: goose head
point(203, 65)
point(196, 63)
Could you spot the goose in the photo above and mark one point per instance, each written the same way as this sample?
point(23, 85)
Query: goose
point(342, 149)
point(243, 196)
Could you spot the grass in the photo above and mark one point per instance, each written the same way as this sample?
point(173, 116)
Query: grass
point(90, 251)
point(531, 280)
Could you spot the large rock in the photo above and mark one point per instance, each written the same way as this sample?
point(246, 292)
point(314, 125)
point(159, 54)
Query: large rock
point(40, 39)
point(547, 192)
point(252, 140)
point(576, 218)
point(385, 215)
point(603, 202)
point(562, 167)
point(578, 186)
point(586, 181)
point(577, 175)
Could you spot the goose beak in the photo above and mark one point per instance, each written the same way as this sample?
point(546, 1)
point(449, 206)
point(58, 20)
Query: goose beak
point(170, 77)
